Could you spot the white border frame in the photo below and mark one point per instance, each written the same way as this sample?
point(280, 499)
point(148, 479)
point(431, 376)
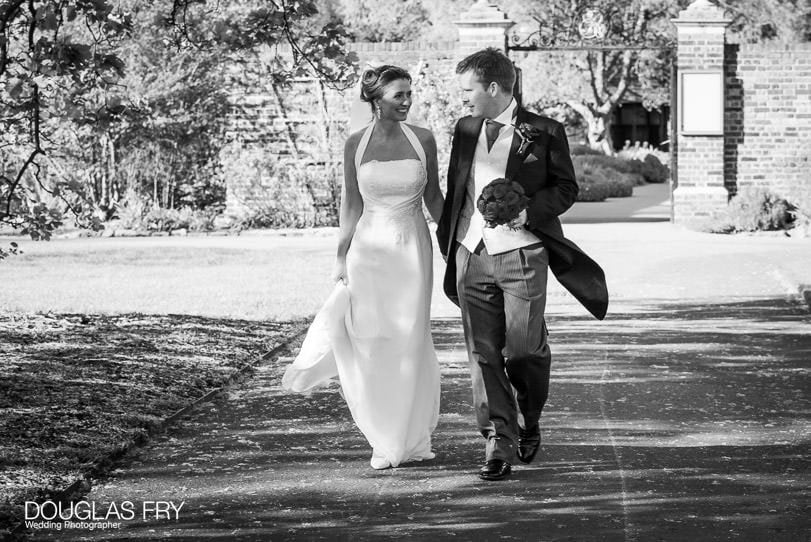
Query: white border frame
point(705, 116)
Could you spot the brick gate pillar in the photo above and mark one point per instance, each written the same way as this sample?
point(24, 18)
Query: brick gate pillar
point(483, 25)
point(700, 192)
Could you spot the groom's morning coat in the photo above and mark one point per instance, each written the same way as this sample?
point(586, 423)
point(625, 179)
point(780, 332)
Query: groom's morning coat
point(547, 176)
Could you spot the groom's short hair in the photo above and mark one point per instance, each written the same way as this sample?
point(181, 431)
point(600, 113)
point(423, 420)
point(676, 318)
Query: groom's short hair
point(490, 65)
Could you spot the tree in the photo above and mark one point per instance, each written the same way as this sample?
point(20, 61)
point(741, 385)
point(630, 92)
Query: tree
point(625, 48)
point(162, 147)
point(63, 73)
point(384, 20)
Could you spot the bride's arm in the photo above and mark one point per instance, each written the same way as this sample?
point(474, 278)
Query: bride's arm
point(351, 208)
point(432, 195)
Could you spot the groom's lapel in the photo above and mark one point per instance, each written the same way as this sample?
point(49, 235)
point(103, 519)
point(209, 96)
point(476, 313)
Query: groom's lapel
point(514, 160)
point(467, 149)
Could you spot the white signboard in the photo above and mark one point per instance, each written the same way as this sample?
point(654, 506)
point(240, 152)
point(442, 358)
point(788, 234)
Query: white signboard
point(701, 103)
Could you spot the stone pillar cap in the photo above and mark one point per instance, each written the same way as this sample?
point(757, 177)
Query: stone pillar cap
point(702, 11)
point(487, 13)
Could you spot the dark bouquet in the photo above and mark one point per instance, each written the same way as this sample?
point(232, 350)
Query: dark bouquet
point(501, 202)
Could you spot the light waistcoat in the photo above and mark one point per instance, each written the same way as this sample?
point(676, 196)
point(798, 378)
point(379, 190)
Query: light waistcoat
point(486, 167)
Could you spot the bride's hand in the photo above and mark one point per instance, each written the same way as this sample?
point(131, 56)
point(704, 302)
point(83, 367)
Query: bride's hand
point(518, 222)
point(339, 274)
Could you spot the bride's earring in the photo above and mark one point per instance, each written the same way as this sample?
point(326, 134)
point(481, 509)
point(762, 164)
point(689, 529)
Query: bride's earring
point(377, 110)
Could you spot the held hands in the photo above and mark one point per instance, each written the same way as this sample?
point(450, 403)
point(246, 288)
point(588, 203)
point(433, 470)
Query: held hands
point(339, 274)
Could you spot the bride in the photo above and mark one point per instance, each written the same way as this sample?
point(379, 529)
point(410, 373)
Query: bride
point(373, 331)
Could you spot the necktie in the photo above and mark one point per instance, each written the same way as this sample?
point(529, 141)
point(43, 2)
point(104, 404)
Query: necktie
point(491, 130)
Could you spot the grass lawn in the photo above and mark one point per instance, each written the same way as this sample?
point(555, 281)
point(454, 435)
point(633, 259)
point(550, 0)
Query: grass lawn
point(255, 278)
point(102, 338)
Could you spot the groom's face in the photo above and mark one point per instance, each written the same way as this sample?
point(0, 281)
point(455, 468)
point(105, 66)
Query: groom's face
point(479, 99)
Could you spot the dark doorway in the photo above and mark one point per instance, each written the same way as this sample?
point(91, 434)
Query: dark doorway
point(633, 123)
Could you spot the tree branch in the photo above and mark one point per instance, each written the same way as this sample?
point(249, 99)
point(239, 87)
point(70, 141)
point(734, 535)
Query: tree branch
point(288, 33)
point(625, 79)
point(581, 109)
point(33, 10)
point(13, 186)
point(593, 77)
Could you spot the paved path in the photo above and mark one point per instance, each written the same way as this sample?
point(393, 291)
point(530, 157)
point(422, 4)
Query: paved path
point(649, 203)
point(682, 416)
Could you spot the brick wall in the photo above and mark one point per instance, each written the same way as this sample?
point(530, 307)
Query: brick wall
point(768, 118)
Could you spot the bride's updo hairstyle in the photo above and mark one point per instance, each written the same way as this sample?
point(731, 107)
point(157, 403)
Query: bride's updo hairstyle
point(374, 80)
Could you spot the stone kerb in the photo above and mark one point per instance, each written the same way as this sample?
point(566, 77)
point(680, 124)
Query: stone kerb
point(700, 193)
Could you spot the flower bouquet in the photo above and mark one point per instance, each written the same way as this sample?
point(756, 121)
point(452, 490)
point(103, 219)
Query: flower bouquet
point(501, 201)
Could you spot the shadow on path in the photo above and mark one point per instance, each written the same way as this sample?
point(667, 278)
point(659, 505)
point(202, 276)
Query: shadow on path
point(668, 422)
point(76, 388)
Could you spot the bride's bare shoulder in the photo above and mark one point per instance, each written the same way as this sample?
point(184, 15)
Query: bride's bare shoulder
point(353, 140)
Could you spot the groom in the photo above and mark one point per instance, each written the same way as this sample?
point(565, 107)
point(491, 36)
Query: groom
point(498, 275)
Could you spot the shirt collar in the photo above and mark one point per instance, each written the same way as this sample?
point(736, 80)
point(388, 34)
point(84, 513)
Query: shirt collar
point(506, 116)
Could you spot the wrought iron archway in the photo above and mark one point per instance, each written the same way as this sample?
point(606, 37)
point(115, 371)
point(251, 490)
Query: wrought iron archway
point(590, 29)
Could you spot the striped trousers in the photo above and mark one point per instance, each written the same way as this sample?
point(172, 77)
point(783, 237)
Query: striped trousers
point(503, 298)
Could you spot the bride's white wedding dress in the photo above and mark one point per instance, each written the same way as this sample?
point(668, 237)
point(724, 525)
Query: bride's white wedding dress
point(374, 332)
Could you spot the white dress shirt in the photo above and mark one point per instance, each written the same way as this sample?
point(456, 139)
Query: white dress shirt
point(486, 167)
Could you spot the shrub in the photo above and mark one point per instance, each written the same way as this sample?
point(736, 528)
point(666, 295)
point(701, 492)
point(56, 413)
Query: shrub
point(754, 209)
point(647, 161)
point(637, 168)
point(203, 221)
point(624, 167)
point(581, 150)
point(160, 219)
point(131, 210)
point(272, 216)
point(591, 191)
point(620, 187)
point(134, 213)
point(800, 199)
point(594, 186)
point(655, 171)
point(802, 221)
point(598, 182)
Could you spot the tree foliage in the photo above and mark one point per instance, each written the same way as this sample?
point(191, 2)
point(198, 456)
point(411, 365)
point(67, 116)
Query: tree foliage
point(83, 82)
point(385, 20)
point(782, 21)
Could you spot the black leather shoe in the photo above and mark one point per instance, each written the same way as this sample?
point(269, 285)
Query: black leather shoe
point(528, 444)
point(495, 469)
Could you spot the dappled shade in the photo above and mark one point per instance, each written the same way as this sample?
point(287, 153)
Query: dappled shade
point(670, 422)
point(75, 387)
